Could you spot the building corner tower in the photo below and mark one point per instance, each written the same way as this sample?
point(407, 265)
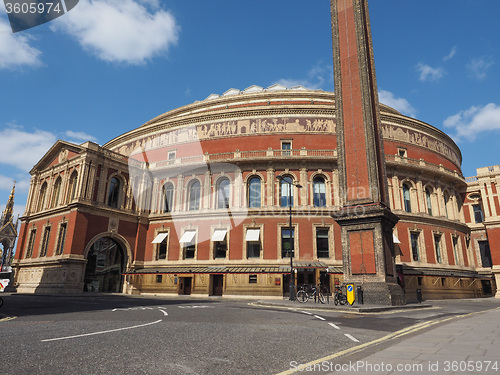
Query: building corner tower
point(365, 218)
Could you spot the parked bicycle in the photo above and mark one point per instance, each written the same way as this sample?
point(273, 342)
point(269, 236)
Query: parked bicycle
point(304, 295)
point(339, 296)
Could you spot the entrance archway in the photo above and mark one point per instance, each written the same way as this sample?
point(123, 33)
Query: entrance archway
point(105, 264)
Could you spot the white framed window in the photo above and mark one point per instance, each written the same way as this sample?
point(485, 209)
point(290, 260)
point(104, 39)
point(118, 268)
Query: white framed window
point(61, 238)
point(161, 243)
point(220, 243)
point(254, 192)
point(44, 245)
point(194, 195)
point(188, 243)
point(253, 242)
point(286, 147)
point(168, 197)
point(223, 186)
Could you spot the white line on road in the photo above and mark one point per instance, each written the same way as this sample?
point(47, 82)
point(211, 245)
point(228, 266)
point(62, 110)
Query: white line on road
point(352, 338)
point(319, 317)
point(101, 332)
point(334, 326)
point(164, 312)
point(305, 312)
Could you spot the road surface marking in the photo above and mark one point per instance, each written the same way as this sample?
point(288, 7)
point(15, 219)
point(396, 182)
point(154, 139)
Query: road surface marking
point(350, 337)
point(334, 326)
point(319, 317)
point(132, 308)
point(164, 312)
point(306, 312)
point(101, 332)
point(196, 307)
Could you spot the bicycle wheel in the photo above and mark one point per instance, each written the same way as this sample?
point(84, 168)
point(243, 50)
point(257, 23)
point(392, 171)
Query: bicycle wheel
point(335, 299)
point(302, 296)
point(343, 299)
point(321, 297)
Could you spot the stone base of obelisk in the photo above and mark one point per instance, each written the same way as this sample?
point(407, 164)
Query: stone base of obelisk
point(368, 253)
point(382, 293)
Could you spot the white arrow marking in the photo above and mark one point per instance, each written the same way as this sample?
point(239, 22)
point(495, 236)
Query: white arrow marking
point(164, 312)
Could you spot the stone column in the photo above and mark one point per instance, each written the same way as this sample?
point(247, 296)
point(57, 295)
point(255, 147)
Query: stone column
point(304, 191)
point(270, 187)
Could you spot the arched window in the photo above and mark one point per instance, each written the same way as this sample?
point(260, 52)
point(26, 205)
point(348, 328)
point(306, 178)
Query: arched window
point(41, 197)
point(72, 186)
point(168, 197)
point(114, 192)
point(428, 200)
point(406, 198)
point(319, 190)
point(254, 194)
point(56, 192)
point(194, 194)
point(223, 193)
point(286, 190)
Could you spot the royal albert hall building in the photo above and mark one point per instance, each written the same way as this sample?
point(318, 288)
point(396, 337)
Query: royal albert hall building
point(199, 200)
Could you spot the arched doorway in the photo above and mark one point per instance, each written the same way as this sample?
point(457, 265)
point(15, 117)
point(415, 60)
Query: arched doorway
point(105, 263)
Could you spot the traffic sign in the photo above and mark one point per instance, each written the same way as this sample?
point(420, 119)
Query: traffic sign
point(350, 293)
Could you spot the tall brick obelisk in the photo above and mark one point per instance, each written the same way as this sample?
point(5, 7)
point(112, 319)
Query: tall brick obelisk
point(365, 217)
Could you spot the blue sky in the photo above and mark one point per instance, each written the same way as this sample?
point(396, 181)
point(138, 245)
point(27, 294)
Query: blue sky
point(108, 66)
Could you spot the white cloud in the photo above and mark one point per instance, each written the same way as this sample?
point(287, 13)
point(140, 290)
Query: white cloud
point(469, 123)
point(399, 104)
point(22, 149)
point(15, 49)
point(318, 76)
point(155, 4)
point(22, 184)
point(76, 137)
point(122, 31)
point(6, 183)
point(479, 67)
point(428, 73)
point(452, 53)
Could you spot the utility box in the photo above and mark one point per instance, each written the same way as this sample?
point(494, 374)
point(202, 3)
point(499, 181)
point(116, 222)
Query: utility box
point(419, 295)
point(359, 295)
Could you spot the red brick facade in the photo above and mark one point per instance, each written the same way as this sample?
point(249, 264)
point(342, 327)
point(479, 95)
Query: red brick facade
point(102, 201)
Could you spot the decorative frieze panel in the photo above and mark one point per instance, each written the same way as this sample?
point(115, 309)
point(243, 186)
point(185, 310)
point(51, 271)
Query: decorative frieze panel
point(230, 128)
point(417, 138)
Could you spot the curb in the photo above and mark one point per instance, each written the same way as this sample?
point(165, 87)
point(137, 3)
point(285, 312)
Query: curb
point(344, 309)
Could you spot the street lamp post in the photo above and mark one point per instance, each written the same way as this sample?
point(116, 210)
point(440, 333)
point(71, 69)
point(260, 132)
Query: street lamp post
point(289, 198)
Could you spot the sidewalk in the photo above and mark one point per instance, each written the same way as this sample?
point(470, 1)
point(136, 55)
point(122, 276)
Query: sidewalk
point(469, 345)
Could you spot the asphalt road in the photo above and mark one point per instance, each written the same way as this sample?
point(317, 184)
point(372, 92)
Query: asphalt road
point(117, 334)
